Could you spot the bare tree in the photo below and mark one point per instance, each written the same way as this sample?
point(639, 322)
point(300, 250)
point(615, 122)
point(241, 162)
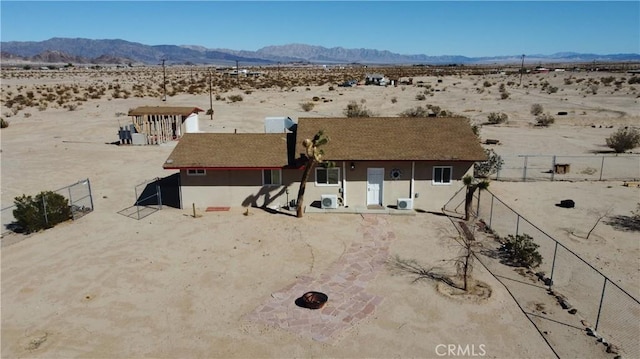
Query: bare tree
point(464, 262)
point(600, 215)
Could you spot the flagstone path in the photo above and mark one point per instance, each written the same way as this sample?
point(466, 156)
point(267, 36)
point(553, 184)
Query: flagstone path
point(344, 283)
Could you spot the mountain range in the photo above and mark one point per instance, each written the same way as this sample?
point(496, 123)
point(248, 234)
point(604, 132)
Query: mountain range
point(117, 51)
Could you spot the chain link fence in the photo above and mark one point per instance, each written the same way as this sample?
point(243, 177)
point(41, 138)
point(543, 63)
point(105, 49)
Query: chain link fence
point(78, 196)
point(609, 309)
point(148, 200)
point(622, 167)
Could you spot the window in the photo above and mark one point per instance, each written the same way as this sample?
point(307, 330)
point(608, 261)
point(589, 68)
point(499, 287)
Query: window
point(196, 172)
point(442, 175)
point(327, 176)
point(272, 177)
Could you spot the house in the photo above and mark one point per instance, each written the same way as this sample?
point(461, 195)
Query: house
point(376, 163)
point(153, 125)
point(376, 79)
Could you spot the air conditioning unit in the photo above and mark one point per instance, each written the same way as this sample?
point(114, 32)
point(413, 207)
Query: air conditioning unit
point(329, 201)
point(405, 203)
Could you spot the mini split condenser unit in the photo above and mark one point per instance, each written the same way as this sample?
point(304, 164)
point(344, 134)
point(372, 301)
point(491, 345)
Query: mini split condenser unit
point(405, 203)
point(329, 201)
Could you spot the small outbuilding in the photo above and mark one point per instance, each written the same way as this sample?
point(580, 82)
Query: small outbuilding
point(155, 125)
point(376, 79)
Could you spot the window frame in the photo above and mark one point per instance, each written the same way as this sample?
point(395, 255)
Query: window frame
point(327, 184)
point(264, 171)
point(196, 172)
point(440, 181)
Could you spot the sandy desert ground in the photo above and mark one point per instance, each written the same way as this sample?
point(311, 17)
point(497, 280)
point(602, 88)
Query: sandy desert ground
point(224, 284)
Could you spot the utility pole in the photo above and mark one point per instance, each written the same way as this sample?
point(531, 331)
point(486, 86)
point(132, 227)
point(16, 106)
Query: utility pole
point(237, 74)
point(164, 81)
point(521, 69)
point(210, 96)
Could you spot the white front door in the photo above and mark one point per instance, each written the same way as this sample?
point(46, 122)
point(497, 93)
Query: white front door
point(375, 178)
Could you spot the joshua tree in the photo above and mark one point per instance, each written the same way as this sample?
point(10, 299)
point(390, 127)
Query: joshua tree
point(472, 185)
point(313, 157)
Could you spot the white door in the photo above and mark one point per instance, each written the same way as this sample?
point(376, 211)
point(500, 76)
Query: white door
point(375, 178)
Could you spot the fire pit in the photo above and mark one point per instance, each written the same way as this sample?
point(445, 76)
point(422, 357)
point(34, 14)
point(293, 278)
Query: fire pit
point(312, 300)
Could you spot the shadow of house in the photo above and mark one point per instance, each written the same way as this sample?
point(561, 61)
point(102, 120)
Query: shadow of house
point(163, 191)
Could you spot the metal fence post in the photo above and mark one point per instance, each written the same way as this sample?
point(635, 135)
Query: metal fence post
point(604, 286)
point(601, 168)
point(553, 167)
point(518, 225)
point(524, 171)
point(478, 206)
point(73, 214)
point(491, 211)
point(553, 264)
point(159, 193)
point(137, 203)
point(90, 194)
point(44, 208)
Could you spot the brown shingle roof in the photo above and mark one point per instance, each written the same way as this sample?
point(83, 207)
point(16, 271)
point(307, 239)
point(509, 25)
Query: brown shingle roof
point(164, 110)
point(393, 139)
point(229, 150)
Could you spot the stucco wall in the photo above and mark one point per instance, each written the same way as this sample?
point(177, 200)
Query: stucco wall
point(236, 188)
point(244, 187)
point(427, 196)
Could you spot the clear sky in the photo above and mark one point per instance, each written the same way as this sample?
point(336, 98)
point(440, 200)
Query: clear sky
point(468, 28)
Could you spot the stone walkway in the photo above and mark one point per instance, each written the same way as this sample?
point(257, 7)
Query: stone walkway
point(344, 283)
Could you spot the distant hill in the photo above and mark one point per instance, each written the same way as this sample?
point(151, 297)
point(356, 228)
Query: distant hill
point(78, 50)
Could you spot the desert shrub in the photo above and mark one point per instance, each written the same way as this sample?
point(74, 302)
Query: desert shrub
point(235, 98)
point(552, 89)
point(420, 97)
point(316, 98)
point(4, 123)
point(607, 80)
point(492, 165)
point(593, 89)
point(486, 84)
point(307, 106)
point(545, 120)
point(248, 92)
point(504, 95)
point(354, 109)
point(522, 251)
point(210, 112)
point(394, 99)
point(331, 88)
point(536, 109)
point(415, 112)
point(624, 139)
point(634, 80)
point(495, 118)
point(44, 211)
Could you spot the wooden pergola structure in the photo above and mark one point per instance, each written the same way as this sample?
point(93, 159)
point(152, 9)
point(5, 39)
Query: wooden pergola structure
point(160, 124)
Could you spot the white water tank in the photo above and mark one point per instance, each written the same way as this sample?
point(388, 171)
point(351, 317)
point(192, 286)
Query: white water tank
point(278, 124)
point(192, 124)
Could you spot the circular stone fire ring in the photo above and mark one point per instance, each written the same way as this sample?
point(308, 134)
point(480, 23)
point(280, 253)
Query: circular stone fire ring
point(312, 300)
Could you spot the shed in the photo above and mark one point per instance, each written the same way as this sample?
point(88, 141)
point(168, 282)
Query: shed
point(160, 124)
